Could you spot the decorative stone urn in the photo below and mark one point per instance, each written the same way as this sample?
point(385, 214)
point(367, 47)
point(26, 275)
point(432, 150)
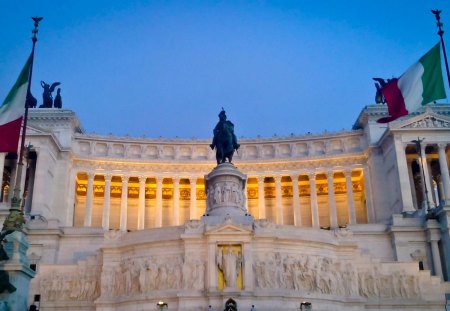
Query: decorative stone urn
point(225, 190)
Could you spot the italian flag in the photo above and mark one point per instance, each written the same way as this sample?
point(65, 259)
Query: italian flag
point(420, 85)
point(12, 111)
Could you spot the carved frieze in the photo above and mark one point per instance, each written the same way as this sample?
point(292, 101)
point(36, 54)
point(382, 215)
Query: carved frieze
point(133, 276)
point(329, 276)
point(81, 283)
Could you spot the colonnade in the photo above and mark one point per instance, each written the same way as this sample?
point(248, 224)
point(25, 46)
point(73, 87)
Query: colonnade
point(437, 184)
point(316, 207)
point(418, 175)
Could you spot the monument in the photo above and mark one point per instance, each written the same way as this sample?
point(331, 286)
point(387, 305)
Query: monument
point(201, 247)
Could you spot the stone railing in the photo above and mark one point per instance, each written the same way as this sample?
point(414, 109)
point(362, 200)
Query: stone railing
point(293, 147)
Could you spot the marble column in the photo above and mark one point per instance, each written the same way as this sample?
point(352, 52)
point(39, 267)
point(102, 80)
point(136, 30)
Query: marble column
point(176, 201)
point(313, 198)
point(23, 178)
point(2, 166)
point(424, 203)
point(350, 198)
point(71, 198)
point(89, 199)
point(124, 204)
point(436, 258)
point(261, 199)
point(443, 164)
point(193, 205)
point(368, 194)
point(441, 192)
point(332, 200)
point(12, 180)
point(296, 200)
point(158, 214)
point(405, 187)
point(106, 201)
point(30, 186)
point(141, 204)
point(427, 175)
point(278, 199)
point(412, 183)
point(433, 192)
point(246, 196)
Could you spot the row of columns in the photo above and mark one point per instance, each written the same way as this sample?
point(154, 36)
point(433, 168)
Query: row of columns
point(408, 190)
point(313, 199)
point(141, 201)
point(193, 200)
point(406, 176)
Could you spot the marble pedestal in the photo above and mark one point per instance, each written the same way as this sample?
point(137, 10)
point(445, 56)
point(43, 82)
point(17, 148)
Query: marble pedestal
point(225, 189)
point(19, 272)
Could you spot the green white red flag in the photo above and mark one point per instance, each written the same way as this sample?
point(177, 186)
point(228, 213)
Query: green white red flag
point(420, 85)
point(12, 111)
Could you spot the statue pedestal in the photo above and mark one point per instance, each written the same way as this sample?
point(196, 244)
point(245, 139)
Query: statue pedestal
point(225, 189)
point(15, 274)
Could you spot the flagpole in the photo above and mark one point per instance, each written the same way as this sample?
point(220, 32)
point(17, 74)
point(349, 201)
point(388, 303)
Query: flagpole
point(439, 24)
point(15, 220)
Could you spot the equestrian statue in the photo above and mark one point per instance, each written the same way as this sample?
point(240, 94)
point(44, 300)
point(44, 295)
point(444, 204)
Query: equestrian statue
point(224, 139)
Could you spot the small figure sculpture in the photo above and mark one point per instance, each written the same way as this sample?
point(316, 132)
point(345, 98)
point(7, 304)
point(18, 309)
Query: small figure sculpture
point(224, 139)
point(379, 97)
point(47, 97)
point(31, 102)
point(57, 103)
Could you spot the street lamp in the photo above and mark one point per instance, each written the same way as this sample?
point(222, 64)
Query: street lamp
point(305, 306)
point(161, 305)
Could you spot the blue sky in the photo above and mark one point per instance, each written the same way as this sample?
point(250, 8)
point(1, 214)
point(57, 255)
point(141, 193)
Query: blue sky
point(165, 68)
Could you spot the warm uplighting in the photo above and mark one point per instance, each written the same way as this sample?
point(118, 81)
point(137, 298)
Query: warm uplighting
point(161, 305)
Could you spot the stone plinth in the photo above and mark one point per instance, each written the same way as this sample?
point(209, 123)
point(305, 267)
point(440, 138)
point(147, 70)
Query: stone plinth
point(225, 190)
point(18, 271)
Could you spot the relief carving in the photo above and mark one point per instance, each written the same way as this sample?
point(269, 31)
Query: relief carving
point(143, 275)
point(309, 274)
point(80, 284)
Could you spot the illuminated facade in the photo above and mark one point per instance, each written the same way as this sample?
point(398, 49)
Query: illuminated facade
point(116, 222)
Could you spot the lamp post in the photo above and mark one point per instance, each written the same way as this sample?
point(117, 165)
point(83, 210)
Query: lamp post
point(418, 143)
point(305, 306)
point(161, 305)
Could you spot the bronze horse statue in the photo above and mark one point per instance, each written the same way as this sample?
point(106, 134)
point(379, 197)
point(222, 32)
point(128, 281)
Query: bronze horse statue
point(224, 139)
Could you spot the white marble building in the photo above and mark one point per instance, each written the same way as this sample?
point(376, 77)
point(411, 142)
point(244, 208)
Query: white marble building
point(341, 220)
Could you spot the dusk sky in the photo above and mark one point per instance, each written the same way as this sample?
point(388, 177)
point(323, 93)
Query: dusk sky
point(165, 68)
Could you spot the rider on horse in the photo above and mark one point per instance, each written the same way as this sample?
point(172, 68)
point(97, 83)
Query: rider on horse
point(224, 139)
